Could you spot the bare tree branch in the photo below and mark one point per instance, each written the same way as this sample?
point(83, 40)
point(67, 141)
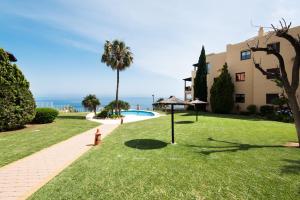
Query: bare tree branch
point(283, 33)
point(274, 28)
point(270, 34)
point(281, 24)
point(280, 59)
point(284, 22)
point(264, 72)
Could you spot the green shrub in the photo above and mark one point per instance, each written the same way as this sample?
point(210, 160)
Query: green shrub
point(252, 109)
point(284, 117)
point(246, 113)
point(266, 110)
point(221, 98)
point(17, 105)
point(123, 105)
point(103, 114)
point(114, 116)
point(45, 115)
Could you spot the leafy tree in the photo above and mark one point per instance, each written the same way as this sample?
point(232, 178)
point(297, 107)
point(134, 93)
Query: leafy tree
point(17, 105)
point(282, 100)
point(91, 102)
point(123, 105)
point(200, 84)
point(291, 84)
point(221, 93)
point(118, 57)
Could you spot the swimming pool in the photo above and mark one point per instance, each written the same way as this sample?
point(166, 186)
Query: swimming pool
point(137, 113)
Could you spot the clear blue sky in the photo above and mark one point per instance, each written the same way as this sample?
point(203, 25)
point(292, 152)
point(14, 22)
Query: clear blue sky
point(58, 43)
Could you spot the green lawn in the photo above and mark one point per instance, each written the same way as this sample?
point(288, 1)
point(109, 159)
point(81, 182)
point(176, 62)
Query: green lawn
point(18, 144)
point(215, 158)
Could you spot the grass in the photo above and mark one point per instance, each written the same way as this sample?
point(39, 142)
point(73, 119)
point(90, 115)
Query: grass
point(15, 145)
point(217, 157)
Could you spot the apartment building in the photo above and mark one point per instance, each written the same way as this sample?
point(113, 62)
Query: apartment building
point(251, 87)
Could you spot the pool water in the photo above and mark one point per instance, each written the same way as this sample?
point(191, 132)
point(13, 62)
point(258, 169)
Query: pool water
point(137, 113)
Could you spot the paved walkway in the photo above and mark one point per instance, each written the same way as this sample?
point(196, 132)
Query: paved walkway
point(22, 178)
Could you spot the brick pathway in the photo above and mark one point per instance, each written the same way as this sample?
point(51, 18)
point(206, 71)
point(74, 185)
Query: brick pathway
point(22, 178)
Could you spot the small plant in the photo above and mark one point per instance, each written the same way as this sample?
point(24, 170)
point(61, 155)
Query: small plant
point(116, 116)
point(103, 114)
point(252, 109)
point(266, 110)
point(45, 115)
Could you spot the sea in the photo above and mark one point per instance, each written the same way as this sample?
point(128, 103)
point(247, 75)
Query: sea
point(144, 103)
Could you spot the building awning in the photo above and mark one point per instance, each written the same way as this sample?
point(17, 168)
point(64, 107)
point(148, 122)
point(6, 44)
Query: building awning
point(187, 79)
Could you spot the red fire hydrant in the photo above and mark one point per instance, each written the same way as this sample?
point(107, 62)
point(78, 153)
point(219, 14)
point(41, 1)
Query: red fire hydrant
point(97, 137)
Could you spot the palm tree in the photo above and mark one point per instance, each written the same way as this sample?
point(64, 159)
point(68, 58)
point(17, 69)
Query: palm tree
point(118, 57)
point(91, 102)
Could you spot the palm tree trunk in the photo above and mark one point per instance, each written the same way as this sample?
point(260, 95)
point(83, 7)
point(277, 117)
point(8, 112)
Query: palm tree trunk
point(95, 111)
point(117, 92)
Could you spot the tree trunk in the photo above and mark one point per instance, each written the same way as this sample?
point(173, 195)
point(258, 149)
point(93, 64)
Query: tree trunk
point(117, 92)
point(295, 109)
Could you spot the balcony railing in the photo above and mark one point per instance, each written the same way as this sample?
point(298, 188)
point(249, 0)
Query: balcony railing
point(188, 88)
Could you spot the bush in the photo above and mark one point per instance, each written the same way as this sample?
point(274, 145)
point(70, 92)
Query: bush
point(266, 110)
point(123, 105)
point(284, 116)
point(221, 98)
point(17, 106)
point(252, 109)
point(45, 115)
point(114, 116)
point(103, 114)
point(246, 113)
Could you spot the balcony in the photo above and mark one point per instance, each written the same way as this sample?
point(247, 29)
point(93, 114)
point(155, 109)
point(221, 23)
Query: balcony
point(188, 89)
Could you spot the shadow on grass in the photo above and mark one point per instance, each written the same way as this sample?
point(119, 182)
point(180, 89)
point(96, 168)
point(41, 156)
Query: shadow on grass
point(70, 117)
point(145, 144)
point(232, 147)
point(293, 167)
point(227, 116)
point(184, 122)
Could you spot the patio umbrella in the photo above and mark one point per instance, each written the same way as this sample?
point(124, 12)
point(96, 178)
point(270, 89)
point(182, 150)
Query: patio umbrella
point(197, 102)
point(172, 100)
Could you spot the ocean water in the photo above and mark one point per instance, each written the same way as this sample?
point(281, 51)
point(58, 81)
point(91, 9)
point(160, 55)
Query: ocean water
point(145, 103)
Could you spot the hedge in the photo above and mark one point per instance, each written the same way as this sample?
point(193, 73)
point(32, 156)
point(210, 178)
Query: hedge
point(45, 115)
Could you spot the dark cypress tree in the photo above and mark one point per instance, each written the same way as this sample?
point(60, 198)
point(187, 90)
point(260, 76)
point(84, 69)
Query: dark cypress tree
point(221, 92)
point(200, 82)
point(17, 106)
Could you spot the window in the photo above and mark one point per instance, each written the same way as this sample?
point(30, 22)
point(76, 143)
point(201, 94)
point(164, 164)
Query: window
point(240, 76)
point(274, 46)
point(245, 55)
point(270, 98)
point(274, 71)
point(240, 98)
